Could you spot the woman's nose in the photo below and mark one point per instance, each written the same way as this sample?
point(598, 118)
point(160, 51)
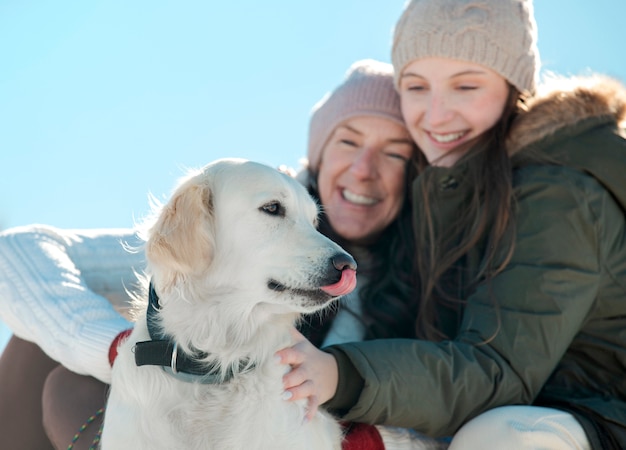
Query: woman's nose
point(364, 164)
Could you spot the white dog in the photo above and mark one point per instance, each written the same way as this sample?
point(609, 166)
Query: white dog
point(234, 259)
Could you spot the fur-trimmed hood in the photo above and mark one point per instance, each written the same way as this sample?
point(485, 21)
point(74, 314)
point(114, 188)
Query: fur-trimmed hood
point(564, 102)
point(580, 123)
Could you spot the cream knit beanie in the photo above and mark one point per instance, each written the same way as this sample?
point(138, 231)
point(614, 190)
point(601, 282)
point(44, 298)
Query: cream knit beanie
point(498, 34)
point(367, 90)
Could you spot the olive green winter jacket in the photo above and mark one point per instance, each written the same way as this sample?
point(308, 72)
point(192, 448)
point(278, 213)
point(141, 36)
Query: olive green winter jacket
point(558, 335)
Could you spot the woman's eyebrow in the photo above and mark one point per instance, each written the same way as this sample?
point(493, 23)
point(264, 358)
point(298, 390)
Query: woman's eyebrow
point(349, 128)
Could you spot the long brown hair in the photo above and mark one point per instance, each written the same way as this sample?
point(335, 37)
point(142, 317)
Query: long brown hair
point(485, 220)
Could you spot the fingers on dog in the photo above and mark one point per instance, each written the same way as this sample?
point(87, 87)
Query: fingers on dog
point(303, 390)
point(294, 378)
point(291, 356)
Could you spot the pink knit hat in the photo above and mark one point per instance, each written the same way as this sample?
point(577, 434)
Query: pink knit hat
point(367, 90)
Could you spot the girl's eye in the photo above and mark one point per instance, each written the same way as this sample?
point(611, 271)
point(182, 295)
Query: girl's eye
point(414, 87)
point(273, 209)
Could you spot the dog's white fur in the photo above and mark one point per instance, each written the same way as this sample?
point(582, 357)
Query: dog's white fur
point(227, 231)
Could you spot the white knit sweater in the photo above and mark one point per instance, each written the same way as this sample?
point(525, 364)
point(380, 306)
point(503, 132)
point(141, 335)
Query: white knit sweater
point(64, 290)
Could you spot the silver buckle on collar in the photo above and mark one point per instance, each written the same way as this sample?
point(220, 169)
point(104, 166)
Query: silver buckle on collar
point(174, 356)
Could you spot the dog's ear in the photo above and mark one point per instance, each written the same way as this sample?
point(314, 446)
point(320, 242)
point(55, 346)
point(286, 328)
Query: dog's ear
point(182, 240)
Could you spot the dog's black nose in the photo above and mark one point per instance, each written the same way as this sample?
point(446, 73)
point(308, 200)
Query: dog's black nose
point(343, 261)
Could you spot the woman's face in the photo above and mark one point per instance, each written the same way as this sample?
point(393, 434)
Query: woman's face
point(361, 176)
point(446, 103)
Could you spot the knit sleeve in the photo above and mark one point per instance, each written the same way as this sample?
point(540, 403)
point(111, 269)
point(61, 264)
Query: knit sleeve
point(53, 285)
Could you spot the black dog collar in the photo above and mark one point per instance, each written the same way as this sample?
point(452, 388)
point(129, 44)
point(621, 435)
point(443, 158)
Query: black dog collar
point(163, 351)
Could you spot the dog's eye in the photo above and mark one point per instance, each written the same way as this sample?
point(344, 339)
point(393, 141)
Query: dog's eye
point(273, 208)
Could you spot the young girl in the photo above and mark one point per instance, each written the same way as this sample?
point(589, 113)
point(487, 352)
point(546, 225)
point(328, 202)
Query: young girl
point(519, 218)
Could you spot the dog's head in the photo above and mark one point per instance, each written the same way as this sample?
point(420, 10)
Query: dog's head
point(248, 231)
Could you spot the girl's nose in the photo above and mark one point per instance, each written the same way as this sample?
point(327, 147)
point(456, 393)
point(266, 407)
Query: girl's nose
point(438, 112)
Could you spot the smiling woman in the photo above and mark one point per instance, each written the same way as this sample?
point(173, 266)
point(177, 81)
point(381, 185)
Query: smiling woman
point(358, 153)
point(362, 176)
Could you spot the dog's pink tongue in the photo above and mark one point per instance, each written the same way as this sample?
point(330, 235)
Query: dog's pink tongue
point(343, 286)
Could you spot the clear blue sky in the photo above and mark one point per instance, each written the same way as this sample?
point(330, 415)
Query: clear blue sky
point(102, 102)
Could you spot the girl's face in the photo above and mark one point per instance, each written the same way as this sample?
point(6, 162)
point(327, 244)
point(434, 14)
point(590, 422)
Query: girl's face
point(361, 176)
point(447, 102)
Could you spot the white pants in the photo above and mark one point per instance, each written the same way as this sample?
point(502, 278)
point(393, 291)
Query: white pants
point(504, 428)
point(522, 427)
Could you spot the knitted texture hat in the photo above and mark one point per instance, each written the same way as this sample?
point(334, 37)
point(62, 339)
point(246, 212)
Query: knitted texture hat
point(367, 90)
point(498, 34)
